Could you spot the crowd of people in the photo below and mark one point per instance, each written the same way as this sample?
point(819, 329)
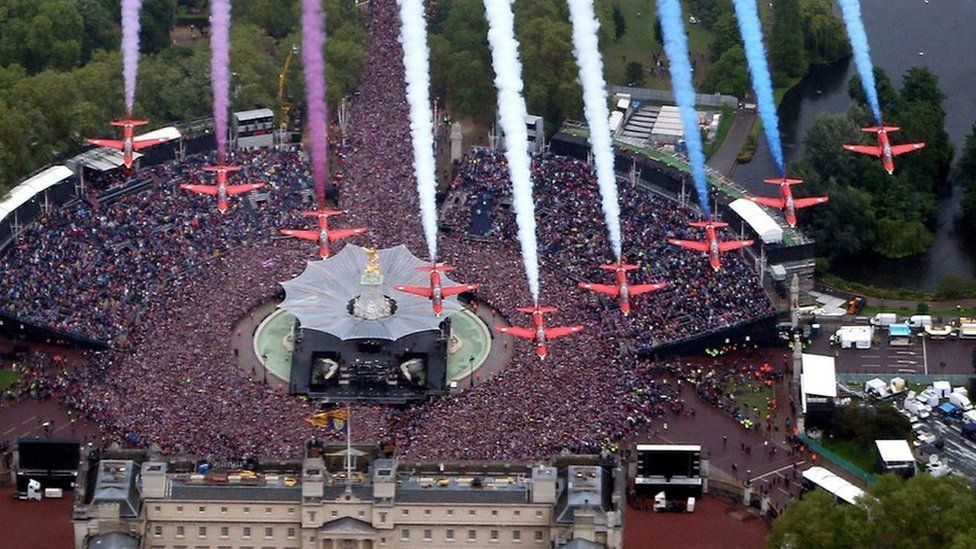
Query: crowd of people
point(87, 269)
point(174, 277)
point(573, 238)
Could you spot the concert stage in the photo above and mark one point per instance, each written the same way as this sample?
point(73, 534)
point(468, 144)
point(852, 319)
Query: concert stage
point(347, 335)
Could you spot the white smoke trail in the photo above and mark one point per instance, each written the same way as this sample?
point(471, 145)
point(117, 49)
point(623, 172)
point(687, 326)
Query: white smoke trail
point(416, 62)
point(511, 116)
point(587, 52)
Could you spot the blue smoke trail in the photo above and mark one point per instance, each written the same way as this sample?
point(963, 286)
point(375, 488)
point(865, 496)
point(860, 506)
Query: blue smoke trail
point(862, 52)
point(676, 48)
point(752, 37)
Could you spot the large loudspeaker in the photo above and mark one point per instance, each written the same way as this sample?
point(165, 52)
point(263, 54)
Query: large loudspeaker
point(674, 469)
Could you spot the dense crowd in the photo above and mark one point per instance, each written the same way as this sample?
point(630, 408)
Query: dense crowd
point(573, 238)
point(177, 292)
point(87, 269)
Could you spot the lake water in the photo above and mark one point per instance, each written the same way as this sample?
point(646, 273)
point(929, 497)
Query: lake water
point(898, 30)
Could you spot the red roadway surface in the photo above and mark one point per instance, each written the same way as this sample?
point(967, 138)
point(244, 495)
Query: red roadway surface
point(25, 418)
point(710, 526)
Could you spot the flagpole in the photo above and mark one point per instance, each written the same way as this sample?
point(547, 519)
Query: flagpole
point(348, 450)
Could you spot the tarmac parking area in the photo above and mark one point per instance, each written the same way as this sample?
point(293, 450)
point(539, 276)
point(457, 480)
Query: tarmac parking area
point(922, 357)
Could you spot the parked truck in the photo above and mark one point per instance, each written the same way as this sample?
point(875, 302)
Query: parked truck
point(856, 337)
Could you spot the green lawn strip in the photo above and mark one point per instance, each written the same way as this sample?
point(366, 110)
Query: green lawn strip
point(723, 130)
point(859, 456)
point(8, 378)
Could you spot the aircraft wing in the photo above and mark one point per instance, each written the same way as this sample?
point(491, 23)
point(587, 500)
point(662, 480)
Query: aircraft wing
point(602, 288)
point(304, 235)
point(139, 144)
point(733, 245)
point(553, 333)
point(902, 149)
point(110, 143)
point(696, 245)
point(448, 291)
point(807, 202)
point(241, 189)
point(644, 288)
point(527, 333)
point(201, 189)
point(338, 234)
point(422, 291)
point(768, 201)
point(873, 150)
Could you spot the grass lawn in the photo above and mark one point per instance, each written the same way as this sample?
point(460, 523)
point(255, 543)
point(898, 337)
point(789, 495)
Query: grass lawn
point(8, 378)
point(754, 395)
point(723, 130)
point(864, 458)
point(638, 44)
point(871, 310)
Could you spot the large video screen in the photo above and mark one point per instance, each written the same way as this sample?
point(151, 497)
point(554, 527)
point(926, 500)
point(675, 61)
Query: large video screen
point(49, 455)
point(668, 463)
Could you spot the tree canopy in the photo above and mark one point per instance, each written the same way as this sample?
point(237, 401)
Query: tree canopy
point(461, 61)
point(922, 511)
point(800, 33)
point(869, 211)
point(60, 83)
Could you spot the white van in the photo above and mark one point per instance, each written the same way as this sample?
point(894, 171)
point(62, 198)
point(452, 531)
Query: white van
point(961, 401)
point(918, 322)
point(884, 319)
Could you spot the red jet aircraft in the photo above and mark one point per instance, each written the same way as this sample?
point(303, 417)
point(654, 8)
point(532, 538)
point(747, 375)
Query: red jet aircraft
point(786, 202)
point(130, 142)
point(539, 333)
point(622, 289)
point(324, 235)
point(435, 292)
point(222, 190)
point(884, 149)
point(711, 245)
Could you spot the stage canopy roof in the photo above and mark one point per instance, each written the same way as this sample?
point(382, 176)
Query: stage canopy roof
point(320, 297)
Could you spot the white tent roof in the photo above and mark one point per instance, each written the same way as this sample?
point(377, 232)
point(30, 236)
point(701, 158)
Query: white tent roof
point(168, 132)
point(243, 116)
point(765, 226)
point(21, 194)
point(833, 484)
point(893, 451)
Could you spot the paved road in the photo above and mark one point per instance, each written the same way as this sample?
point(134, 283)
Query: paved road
point(958, 452)
point(724, 158)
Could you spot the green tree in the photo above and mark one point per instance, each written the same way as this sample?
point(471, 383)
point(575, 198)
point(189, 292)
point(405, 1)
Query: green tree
point(619, 23)
point(40, 35)
point(824, 35)
point(278, 18)
point(156, 21)
point(101, 26)
point(786, 43)
point(546, 46)
point(728, 75)
point(887, 94)
point(635, 73)
point(460, 60)
point(726, 36)
point(922, 511)
point(965, 176)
